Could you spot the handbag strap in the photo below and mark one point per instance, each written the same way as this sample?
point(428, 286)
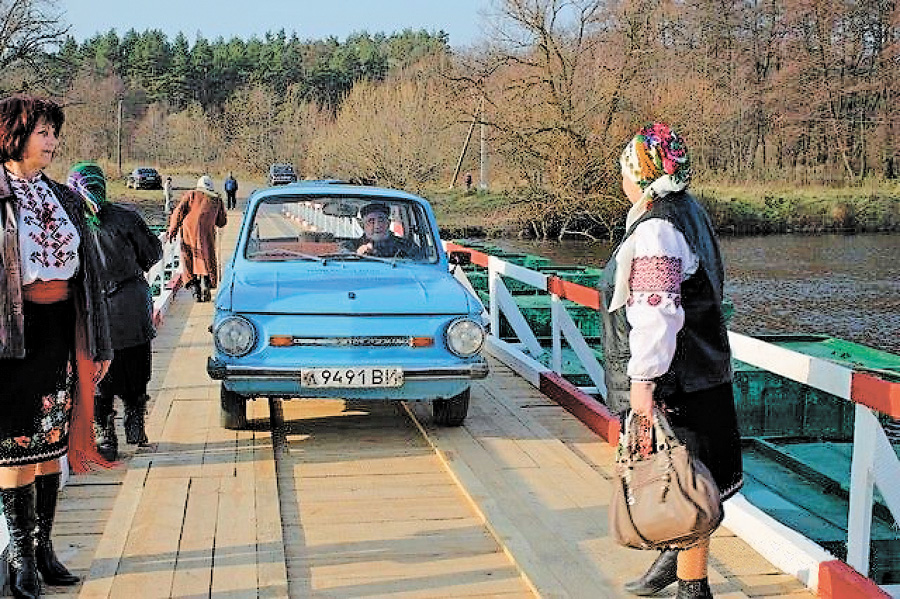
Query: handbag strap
point(664, 437)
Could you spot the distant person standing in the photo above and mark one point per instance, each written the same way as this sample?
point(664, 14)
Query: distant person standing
point(197, 215)
point(167, 192)
point(128, 249)
point(231, 187)
point(468, 181)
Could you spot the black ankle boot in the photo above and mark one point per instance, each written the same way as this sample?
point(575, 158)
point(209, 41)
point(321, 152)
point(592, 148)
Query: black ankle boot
point(52, 571)
point(205, 292)
point(18, 507)
point(107, 439)
point(658, 576)
point(135, 429)
point(694, 589)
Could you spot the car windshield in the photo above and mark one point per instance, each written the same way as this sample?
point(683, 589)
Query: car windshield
point(327, 228)
point(282, 169)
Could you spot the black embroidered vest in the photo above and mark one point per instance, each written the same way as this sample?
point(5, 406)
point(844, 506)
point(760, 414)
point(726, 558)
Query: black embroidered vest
point(702, 355)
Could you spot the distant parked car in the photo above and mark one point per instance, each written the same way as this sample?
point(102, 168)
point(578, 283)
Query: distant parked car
point(144, 178)
point(281, 174)
point(302, 313)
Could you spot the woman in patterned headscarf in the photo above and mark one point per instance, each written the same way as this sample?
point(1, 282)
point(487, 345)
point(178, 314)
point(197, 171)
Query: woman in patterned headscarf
point(51, 309)
point(665, 336)
point(128, 249)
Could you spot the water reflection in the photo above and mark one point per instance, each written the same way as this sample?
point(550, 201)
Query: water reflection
point(847, 286)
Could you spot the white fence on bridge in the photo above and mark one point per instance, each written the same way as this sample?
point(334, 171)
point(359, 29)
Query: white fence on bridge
point(874, 463)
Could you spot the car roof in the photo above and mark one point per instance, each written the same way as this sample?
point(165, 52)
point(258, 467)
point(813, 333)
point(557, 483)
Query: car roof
point(326, 187)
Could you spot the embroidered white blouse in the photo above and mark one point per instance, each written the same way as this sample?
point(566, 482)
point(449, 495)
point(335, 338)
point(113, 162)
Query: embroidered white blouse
point(661, 260)
point(48, 240)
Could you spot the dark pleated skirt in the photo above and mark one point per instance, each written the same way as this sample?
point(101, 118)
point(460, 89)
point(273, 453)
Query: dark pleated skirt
point(36, 392)
point(129, 372)
point(706, 421)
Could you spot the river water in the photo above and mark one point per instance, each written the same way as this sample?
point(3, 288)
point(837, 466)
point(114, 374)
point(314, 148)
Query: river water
point(846, 286)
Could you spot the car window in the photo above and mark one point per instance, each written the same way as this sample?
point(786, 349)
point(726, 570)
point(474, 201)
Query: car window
point(284, 228)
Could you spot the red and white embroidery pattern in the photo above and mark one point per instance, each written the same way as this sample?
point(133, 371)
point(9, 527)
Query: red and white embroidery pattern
point(48, 239)
point(655, 281)
point(656, 273)
point(48, 225)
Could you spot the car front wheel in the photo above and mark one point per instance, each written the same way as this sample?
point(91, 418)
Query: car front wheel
point(233, 410)
point(452, 411)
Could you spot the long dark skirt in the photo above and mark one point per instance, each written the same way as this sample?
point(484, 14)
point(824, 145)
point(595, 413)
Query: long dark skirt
point(706, 422)
point(36, 392)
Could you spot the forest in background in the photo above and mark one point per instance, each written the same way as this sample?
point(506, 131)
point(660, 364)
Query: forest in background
point(796, 92)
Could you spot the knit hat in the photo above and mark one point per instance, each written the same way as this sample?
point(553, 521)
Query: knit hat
point(205, 185)
point(87, 180)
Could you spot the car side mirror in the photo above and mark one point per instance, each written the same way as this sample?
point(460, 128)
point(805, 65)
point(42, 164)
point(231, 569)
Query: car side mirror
point(460, 258)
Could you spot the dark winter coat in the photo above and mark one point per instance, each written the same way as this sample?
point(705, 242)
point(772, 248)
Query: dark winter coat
point(128, 249)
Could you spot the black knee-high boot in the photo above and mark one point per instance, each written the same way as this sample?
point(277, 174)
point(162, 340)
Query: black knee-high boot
point(52, 571)
point(105, 426)
point(135, 411)
point(18, 507)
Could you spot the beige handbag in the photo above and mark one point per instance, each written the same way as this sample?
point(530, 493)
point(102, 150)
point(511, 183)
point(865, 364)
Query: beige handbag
point(667, 499)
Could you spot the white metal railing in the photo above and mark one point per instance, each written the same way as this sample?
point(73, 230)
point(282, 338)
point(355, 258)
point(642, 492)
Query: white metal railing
point(875, 464)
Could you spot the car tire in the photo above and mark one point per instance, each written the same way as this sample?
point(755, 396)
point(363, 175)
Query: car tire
point(233, 410)
point(451, 411)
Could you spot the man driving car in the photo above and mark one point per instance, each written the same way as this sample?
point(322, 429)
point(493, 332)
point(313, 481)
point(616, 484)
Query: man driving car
point(378, 239)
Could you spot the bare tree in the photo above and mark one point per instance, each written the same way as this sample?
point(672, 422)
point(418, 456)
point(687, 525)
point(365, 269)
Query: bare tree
point(26, 28)
point(400, 132)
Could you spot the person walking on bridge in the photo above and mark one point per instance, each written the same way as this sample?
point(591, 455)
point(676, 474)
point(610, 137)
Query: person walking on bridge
point(197, 215)
point(128, 249)
point(231, 187)
point(664, 331)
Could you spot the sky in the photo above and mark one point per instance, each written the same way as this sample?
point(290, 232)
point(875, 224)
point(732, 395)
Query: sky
point(463, 20)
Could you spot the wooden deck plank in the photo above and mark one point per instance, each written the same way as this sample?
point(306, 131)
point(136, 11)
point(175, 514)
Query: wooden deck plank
point(234, 562)
point(192, 576)
point(148, 560)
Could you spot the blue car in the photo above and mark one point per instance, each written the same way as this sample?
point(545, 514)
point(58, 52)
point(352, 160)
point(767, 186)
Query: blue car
point(344, 291)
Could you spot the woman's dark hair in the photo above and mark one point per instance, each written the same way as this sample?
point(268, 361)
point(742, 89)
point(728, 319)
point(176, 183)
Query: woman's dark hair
point(19, 117)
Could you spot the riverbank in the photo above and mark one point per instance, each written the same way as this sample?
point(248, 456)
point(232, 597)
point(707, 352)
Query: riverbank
point(735, 210)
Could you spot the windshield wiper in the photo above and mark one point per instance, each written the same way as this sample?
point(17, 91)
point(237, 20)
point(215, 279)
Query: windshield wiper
point(282, 252)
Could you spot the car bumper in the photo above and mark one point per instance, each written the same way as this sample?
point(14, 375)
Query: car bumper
point(220, 371)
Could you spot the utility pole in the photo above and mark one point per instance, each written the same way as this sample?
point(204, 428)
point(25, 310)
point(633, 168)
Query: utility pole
point(483, 183)
point(462, 154)
point(119, 138)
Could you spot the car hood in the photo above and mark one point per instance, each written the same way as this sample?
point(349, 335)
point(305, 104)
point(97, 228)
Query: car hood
point(337, 288)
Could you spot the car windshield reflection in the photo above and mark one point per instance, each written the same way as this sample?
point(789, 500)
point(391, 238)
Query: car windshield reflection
point(291, 228)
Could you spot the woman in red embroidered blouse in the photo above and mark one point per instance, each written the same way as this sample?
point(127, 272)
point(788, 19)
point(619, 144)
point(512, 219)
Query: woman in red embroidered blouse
point(666, 341)
point(51, 309)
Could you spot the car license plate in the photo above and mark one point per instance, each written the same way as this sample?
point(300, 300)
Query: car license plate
point(351, 377)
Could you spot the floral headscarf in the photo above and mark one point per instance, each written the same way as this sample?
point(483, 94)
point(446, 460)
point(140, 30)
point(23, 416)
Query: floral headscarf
point(657, 160)
point(88, 181)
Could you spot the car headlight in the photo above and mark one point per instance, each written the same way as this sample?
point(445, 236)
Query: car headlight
point(235, 336)
point(465, 337)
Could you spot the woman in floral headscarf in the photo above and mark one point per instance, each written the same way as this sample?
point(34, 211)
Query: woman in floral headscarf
point(665, 336)
point(127, 249)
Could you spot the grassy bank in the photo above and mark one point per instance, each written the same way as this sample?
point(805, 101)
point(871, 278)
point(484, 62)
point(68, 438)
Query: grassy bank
point(740, 210)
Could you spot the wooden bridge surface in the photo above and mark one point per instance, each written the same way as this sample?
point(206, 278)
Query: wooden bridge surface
point(332, 499)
